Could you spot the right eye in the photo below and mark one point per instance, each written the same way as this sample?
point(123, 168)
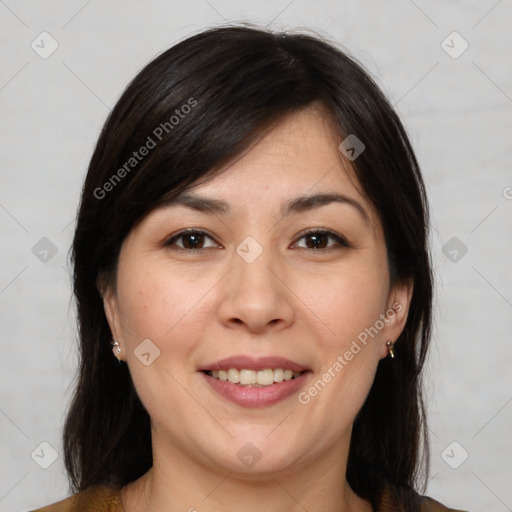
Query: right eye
point(192, 240)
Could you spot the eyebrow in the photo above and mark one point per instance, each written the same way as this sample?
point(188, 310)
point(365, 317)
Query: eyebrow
point(296, 205)
point(306, 203)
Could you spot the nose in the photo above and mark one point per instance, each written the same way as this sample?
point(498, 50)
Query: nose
point(256, 297)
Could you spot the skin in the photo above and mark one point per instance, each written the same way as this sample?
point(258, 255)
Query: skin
point(296, 301)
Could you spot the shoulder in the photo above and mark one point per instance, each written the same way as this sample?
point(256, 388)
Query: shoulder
point(407, 500)
point(100, 498)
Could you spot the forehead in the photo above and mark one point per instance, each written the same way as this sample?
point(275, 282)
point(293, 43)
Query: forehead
point(297, 156)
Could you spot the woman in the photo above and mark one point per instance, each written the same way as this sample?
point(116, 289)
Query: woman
point(252, 240)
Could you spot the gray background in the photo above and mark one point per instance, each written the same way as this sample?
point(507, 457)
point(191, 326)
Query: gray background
point(458, 113)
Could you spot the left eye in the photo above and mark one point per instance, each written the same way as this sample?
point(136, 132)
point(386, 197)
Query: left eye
point(319, 239)
point(192, 240)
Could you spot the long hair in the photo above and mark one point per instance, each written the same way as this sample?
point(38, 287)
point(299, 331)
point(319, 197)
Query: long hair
point(196, 106)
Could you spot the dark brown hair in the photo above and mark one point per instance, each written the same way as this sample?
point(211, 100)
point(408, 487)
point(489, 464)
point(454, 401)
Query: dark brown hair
point(196, 106)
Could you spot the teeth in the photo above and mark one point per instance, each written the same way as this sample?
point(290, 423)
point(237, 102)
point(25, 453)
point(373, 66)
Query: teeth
point(265, 377)
point(254, 378)
point(247, 377)
point(233, 376)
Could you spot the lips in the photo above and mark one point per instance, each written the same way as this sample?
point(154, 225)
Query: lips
point(250, 363)
point(251, 382)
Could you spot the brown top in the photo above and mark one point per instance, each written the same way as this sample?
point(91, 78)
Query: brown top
point(101, 498)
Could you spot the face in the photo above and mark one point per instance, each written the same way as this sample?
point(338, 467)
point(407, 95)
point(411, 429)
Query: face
point(265, 285)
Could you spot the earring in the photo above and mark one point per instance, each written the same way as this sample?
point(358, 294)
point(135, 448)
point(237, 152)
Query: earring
point(390, 344)
point(116, 349)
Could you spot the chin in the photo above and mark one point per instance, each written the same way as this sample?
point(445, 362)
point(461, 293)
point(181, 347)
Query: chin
point(253, 460)
point(260, 470)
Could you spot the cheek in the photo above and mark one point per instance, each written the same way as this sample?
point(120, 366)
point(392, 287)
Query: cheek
point(350, 350)
point(140, 304)
point(349, 302)
point(158, 306)
point(150, 302)
point(164, 306)
point(345, 302)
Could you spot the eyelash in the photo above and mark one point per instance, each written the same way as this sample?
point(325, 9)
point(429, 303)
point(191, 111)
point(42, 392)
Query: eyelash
point(339, 239)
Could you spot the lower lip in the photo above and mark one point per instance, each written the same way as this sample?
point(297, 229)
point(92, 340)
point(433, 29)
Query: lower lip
point(247, 396)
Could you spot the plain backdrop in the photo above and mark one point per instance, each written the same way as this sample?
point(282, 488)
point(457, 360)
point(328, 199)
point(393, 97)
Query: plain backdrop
point(444, 65)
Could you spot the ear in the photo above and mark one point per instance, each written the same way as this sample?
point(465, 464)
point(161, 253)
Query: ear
point(395, 317)
point(111, 307)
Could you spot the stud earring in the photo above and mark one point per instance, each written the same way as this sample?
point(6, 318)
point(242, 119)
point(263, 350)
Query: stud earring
point(116, 349)
point(390, 344)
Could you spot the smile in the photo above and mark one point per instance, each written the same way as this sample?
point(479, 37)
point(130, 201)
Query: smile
point(255, 382)
point(253, 378)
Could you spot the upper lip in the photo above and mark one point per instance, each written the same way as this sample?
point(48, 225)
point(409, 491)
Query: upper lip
point(243, 362)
